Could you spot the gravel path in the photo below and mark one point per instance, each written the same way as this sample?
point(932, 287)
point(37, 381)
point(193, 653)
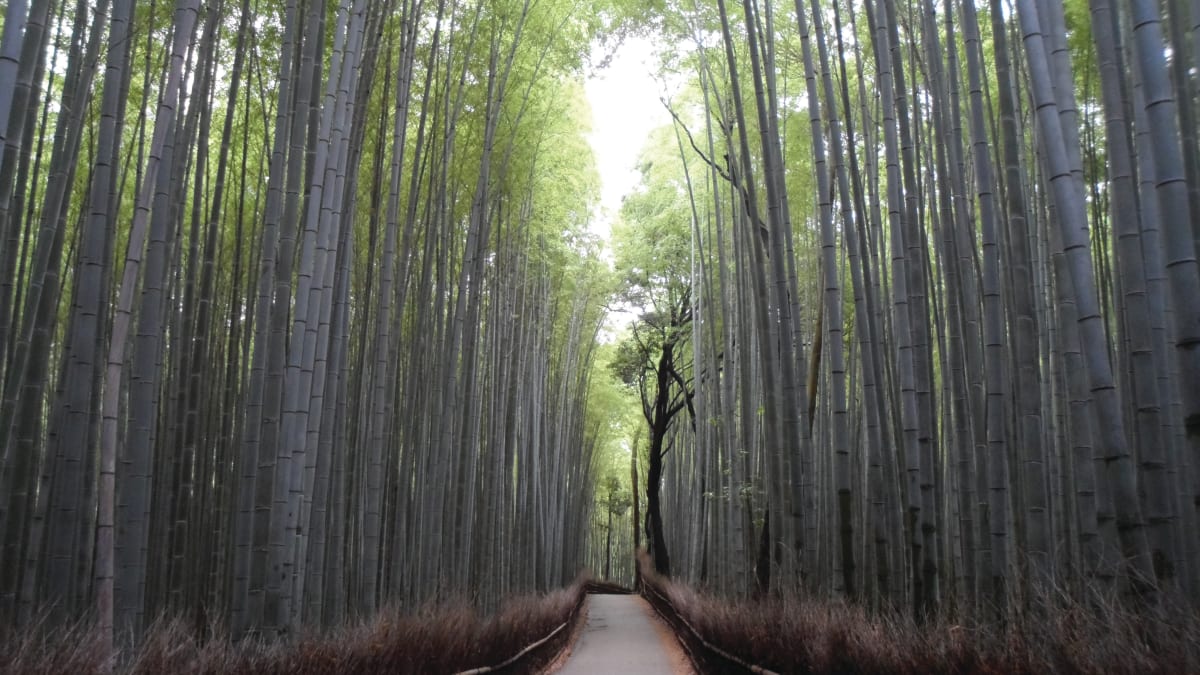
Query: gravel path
point(624, 635)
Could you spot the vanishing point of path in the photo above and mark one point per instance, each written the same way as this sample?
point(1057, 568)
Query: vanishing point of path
point(624, 635)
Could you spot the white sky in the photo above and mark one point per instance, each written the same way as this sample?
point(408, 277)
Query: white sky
point(625, 108)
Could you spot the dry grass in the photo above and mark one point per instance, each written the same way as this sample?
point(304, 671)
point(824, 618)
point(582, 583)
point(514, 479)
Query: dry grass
point(832, 637)
point(445, 639)
point(39, 650)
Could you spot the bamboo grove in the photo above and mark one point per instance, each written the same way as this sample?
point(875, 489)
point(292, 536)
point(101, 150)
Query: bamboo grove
point(300, 315)
point(298, 307)
point(941, 346)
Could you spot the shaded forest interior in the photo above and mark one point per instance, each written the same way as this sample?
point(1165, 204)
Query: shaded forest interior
point(304, 315)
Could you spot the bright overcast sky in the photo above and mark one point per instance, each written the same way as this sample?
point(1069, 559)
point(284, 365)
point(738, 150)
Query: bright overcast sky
point(625, 108)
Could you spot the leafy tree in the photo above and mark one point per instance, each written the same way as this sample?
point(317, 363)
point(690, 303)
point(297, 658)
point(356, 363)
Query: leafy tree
point(616, 502)
point(652, 256)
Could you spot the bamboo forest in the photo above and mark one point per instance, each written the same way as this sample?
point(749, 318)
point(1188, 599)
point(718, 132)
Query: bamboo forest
point(319, 351)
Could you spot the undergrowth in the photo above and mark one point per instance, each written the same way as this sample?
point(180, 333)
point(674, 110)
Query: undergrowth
point(439, 639)
point(824, 636)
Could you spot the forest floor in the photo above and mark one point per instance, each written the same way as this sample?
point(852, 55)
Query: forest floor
point(450, 637)
point(623, 635)
point(818, 637)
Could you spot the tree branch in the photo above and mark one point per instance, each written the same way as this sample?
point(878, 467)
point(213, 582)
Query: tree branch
point(729, 177)
point(688, 396)
point(692, 141)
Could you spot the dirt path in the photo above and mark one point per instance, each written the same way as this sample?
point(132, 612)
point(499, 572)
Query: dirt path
point(624, 635)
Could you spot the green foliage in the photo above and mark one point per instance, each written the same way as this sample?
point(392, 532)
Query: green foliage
point(652, 240)
point(612, 409)
point(617, 498)
point(628, 362)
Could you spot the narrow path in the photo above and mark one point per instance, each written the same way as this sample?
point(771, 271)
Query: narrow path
point(624, 635)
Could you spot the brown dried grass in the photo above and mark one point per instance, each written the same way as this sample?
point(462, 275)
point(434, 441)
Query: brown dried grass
point(825, 636)
point(438, 639)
